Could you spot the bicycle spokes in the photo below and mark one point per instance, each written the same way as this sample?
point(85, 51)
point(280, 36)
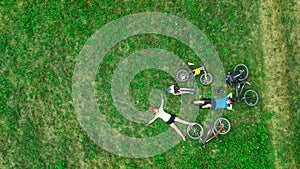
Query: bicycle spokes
point(182, 75)
point(206, 78)
point(251, 97)
point(222, 126)
point(195, 131)
point(243, 70)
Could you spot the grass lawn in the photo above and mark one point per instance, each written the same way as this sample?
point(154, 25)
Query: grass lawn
point(40, 43)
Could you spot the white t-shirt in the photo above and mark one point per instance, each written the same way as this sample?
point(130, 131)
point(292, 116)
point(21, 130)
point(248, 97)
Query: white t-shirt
point(163, 115)
point(171, 90)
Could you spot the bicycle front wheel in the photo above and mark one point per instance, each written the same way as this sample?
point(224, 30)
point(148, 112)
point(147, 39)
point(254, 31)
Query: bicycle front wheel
point(244, 69)
point(206, 79)
point(251, 97)
point(222, 125)
point(195, 131)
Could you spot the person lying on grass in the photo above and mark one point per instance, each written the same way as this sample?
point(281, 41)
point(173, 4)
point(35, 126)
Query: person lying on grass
point(176, 90)
point(214, 104)
point(168, 118)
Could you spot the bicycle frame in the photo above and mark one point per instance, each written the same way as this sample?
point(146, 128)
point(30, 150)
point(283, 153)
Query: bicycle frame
point(239, 90)
point(199, 70)
point(234, 75)
point(208, 134)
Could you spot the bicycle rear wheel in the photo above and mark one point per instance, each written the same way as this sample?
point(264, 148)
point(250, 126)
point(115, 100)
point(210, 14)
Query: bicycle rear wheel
point(195, 131)
point(222, 123)
point(182, 75)
point(251, 97)
point(244, 68)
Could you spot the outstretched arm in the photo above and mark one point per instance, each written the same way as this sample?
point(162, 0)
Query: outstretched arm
point(230, 95)
point(162, 102)
point(177, 130)
point(230, 107)
point(151, 121)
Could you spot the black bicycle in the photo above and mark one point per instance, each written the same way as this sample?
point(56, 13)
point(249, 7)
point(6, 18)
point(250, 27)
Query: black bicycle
point(239, 74)
point(238, 77)
point(250, 96)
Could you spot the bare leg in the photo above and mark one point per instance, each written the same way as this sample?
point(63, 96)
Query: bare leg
point(177, 130)
point(189, 89)
point(207, 106)
point(186, 92)
point(198, 102)
point(182, 121)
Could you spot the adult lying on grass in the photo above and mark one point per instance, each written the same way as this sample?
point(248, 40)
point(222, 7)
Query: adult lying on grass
point(168, 118)
point(214, 104)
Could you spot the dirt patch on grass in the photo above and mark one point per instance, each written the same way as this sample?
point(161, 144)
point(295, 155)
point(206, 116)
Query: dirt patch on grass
point(276, 90)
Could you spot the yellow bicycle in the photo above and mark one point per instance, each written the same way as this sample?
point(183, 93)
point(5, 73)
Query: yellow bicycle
point(184, 74)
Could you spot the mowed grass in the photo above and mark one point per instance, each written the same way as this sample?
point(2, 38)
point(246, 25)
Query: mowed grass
point(41, 41)
point(281, 60)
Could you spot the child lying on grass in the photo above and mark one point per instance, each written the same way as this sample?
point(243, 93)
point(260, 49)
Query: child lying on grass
point(176, 90)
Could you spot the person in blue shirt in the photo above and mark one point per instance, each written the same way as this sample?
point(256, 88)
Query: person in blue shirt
point(214, 104)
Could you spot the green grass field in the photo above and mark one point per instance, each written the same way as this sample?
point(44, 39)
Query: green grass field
point(39, 45)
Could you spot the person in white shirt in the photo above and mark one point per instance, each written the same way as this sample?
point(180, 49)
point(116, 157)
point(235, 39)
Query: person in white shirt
point(168, 118)
point(176, 90)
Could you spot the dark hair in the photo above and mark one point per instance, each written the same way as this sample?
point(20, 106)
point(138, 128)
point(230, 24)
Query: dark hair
point(231, 100)
point(176, 88)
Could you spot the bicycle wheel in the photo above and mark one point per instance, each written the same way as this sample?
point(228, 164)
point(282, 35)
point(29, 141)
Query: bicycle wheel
point(206, 79)
point(244, 68)
point(251, 97)
point(195, 131)
point(182, 75)
point(222, 122)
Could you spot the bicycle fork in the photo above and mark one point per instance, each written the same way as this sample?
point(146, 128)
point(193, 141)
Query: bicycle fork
point(208, 139)
point(237, 93)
